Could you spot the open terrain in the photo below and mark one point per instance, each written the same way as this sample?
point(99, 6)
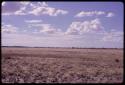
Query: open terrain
point(61, 65)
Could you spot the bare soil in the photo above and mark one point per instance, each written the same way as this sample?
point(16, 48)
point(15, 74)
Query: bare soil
point(61, 65)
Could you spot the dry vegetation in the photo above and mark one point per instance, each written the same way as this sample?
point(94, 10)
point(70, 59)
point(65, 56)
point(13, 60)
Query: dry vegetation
point(61, 65)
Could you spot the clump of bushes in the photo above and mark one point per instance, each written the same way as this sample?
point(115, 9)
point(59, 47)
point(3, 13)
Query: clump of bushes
point(116, 60)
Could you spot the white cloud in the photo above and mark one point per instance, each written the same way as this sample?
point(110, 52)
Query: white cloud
point(50, 36)
point(56, 40)
point(14, 8)
point(21, 11)
point(89, 13)
point(33, 21)
point(38, 4)
point(34, 8)
point(9, 29)
point(43, 3)
point(47, 11)
point(3, 3)
point(110, 14)
point(48, 28)
point(37, 25)
point(7, 14)
point(113, 36)
point(60, 12)
point(94, 13)
point(25, 2)
point(44, 28)
point(84, 27)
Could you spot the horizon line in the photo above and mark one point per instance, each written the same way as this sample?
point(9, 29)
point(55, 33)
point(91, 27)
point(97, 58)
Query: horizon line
point(66, 47)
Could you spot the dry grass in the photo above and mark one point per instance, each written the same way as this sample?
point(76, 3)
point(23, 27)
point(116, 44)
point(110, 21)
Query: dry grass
point(61, 65)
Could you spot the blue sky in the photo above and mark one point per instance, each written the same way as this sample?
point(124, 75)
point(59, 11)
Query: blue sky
point(63, 24)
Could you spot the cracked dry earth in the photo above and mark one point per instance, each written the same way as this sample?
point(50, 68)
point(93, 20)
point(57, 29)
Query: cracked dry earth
point(61, 65)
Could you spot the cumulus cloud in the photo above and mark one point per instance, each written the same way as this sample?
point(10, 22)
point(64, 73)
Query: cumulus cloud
point(49, 29)
point(89, 13)
point(47, 11)
point(84, 27)
point(21, 11)
point(110, 14)
point(9, 29)
point(33, 21)
point(111, 39)
point(34, 8)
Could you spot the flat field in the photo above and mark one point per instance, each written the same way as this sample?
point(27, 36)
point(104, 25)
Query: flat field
point(61, 65)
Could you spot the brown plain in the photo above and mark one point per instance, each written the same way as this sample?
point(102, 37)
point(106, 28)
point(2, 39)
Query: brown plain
point(61, 65)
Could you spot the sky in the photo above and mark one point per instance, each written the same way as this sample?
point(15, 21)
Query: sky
point(62, 24)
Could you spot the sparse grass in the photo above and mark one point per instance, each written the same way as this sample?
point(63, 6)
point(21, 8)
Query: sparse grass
point(61, 65)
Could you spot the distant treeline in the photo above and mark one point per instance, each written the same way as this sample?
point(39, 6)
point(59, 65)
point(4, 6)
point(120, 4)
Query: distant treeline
point(62, 47)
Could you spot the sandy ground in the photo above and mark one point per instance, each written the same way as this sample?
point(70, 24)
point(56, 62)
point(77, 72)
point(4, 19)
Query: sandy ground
point(61, 65)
